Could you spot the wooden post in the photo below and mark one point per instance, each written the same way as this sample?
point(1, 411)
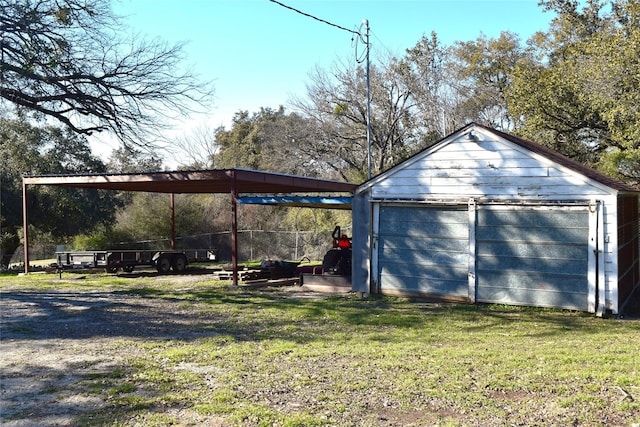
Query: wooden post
point(25, 226)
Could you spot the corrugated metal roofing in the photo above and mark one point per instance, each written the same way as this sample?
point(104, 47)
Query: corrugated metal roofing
point(243, 181)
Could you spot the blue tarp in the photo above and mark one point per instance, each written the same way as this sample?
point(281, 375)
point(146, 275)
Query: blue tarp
point(325, 202)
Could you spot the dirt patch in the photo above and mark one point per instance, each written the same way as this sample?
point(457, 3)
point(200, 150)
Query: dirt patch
point(53, 341)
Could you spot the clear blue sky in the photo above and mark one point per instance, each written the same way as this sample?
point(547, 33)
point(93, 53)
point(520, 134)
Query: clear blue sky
point(259, 54)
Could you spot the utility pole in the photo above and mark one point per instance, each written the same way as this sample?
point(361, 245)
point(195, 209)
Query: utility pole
point(366, 23)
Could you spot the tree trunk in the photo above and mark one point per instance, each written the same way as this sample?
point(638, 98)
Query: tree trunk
point(9, 247)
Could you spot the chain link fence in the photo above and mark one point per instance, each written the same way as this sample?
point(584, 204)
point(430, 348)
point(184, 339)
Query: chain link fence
point(262, 244)
point(252, 245)
point(37, 251)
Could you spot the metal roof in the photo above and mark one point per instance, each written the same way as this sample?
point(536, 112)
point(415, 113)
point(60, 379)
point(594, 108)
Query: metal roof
point(324, 202)
point(200, 181)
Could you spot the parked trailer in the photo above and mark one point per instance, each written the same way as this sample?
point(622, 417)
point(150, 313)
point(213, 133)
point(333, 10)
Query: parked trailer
point(112, 260)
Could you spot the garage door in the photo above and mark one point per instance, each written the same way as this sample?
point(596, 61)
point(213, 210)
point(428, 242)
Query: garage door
point(536, 257)
point(423, 250)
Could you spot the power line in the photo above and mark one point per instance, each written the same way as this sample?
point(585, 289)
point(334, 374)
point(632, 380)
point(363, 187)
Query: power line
point(367, 43)
point(316, 18)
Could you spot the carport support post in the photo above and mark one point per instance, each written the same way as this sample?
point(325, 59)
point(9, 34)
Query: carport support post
point(173, 221)
point(25, 226)
point(234, 227)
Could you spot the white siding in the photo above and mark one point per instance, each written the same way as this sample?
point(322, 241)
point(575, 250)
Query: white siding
point(611, 253)
point(488, 169)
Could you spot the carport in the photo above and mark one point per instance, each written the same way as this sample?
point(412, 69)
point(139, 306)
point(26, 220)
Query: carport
point(235, 182)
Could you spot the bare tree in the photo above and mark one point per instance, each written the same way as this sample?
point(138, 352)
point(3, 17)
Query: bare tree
point(337, 105)
point(425, 72)
point(68, 59)
point(199, 147)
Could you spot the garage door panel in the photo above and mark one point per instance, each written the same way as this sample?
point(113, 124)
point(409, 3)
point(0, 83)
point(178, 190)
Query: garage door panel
point(420, 284)
point(412, 243)
point(423, 250)
point(410, 227)
point(532, 265)
point(413, 256)
point(420, 214)
point(560, 291)
point(532, 251)
point(557, 218)
point(531, 280)
point(537, 234)
point(535, 257)
point(434, 272)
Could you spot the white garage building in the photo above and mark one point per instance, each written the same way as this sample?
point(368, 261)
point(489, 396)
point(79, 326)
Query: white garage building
point(485, 216)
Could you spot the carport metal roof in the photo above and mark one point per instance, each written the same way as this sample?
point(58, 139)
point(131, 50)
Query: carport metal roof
point(232, 181)
point(201, 181)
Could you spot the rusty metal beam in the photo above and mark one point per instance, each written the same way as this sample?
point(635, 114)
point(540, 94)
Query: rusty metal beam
point(25, 227)
point(210, 181)
point(234, 228)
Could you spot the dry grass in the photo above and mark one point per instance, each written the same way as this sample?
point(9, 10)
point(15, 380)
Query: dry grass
point(162, 351)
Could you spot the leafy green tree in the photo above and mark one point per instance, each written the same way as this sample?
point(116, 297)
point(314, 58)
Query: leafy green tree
point(289, 145)
point(148, 217)
point(60, 212)
point(129, 159)
point(240, 146)
point(483, 69)
point(270, 140)
point(579, 91)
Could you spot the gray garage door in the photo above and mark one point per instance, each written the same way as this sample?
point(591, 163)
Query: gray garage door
point(536, 257)
point(423, 250)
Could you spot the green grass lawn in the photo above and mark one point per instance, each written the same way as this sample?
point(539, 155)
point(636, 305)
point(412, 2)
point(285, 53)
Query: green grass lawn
point(267, 357)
